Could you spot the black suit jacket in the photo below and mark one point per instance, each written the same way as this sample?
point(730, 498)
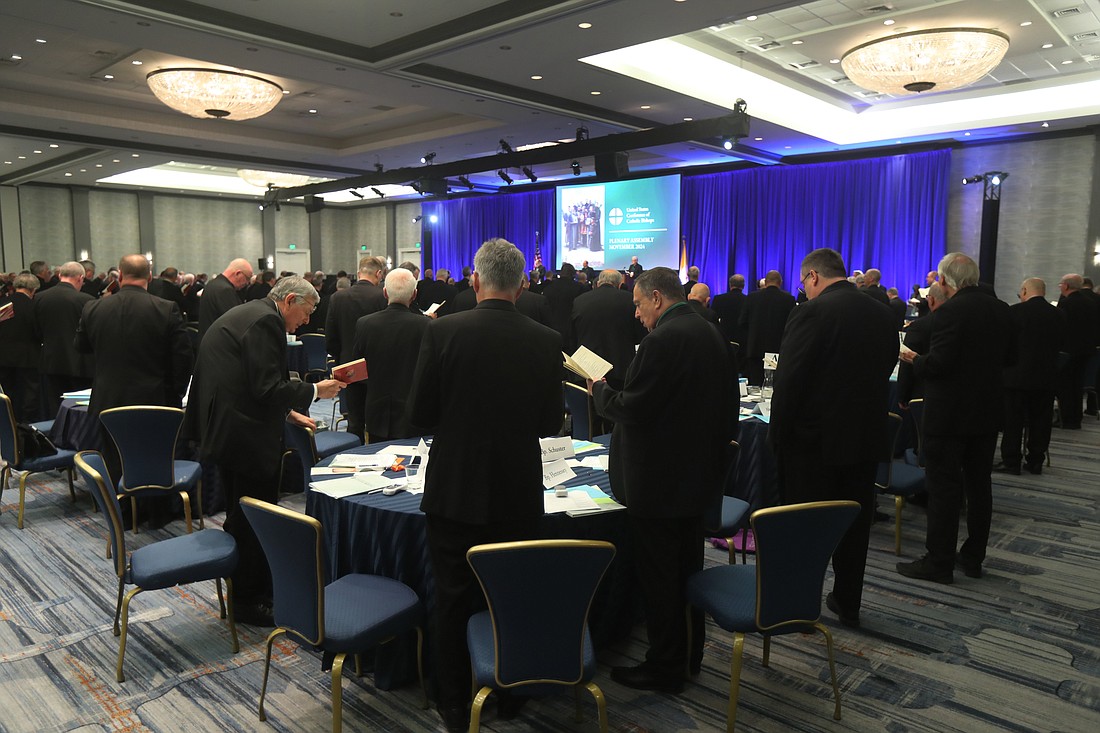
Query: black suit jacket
point(243, 391)
point(486, 465)
point(1040, 334)
point(217, 297)
point(833, 380)
point(898, 307)
point(56, 312)
point(436, 291)
point(918, 337)
point(345, 308)
point(168, 290)
point(708, 315)
point(535, 307)
point(20, 345)
point(466, 300)
point(763, 318)
point(390, 342)
point(560, 295)
point(878, 293)
point(667, 448)
point(142, 352)
point(1081, 317)
point(603, 321)
point(728, 307)
point(972, 342)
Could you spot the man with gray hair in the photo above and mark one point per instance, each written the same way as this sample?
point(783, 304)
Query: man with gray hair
point(389, 341)
point(242, 394)
point(56, 312)
point(972, 342)
point(484, 481)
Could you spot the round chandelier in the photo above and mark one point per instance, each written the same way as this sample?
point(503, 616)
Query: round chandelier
point(215, 93)
point(272, 179)
point(919, 61)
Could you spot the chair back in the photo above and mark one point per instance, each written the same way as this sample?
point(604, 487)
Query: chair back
point(540, 628)
point(9, 445)
point(712, 519)
point(92, 468)
point(916, 411)
point(793, 547)
point(292, 544)
point(145, 436)
point(300, 439)
point(316, 354)
point(884, 475)
point(580, 407)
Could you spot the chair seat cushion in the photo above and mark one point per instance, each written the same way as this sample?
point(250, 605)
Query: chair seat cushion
point(479, 639)
point(734, 511)
point(331, 442)
point(202, 555)
point(44, 426)
point(362, 611)
point(906, 480)
point(62, 459)
point(728, 594)
point(185, 474)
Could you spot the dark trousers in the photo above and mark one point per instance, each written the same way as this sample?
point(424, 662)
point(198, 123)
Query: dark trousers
point(252, 579)
point(1032, 410)
point(803, 477)
point(667, 551)
point(458, 595)
point(356, 401)
point(21, 385)
point(954, 465)
point(1071, 389)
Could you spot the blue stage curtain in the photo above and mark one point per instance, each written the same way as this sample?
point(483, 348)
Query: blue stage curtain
point(889, 213)
point(463, 224)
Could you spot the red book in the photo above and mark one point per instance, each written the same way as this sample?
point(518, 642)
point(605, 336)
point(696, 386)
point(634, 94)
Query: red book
point(353, 371)
point(7, 311)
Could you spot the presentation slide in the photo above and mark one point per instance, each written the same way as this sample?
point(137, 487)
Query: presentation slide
point(608, 223)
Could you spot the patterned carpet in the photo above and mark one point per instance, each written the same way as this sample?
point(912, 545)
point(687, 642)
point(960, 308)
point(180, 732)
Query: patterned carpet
point(1018, 650)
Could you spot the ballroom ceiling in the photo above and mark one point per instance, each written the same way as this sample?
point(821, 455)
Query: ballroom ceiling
point(387, 81)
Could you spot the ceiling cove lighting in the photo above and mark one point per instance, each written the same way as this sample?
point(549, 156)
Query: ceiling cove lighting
point(215, 93)
point(918, 61)
point(272, 179)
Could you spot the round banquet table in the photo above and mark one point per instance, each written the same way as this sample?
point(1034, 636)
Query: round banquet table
point(387, 535)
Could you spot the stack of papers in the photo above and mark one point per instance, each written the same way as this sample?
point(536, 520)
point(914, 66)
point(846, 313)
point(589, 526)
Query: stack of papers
point(598, 463)
point(80, 394)
point(581, 500)
point(375, 461)
point(583, 446)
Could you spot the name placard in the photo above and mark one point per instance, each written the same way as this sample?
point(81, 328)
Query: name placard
point(554, 449)
point(556, 472)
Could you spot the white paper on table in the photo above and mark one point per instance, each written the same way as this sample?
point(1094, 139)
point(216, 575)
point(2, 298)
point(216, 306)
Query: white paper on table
point(422, 448)
point(743, 387)
point(583, 446)
point(375, 460)
point(331, 471)
point(342, 487)
point(555, 472)
point(577, 500)
point(598, 463)
point(556, 448)
point(403, 450)
point(80, 394)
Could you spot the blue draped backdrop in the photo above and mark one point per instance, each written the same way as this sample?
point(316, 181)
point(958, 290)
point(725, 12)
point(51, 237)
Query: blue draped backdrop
point(889, 213)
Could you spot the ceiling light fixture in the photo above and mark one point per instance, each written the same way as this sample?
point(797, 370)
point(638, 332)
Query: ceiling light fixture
point(427, 159)
point(918, 61)
point(465, 181)
point(504, 176)
point(355, 193)
point(206, 93)
point(582, 133)
point(272, 179)
point(377, 193)
point(576, 168)
point(505, 147)
point(529, 173)
point(973, 179)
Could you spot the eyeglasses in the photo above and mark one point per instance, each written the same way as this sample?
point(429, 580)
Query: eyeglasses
point(802, 282)
point(310, 306)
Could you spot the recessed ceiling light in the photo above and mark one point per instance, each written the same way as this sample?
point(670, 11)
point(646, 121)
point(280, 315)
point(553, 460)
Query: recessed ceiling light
point(83, 170)
point(758, 139)
point(595, 93)
point(1046, 124)
point(54, 145)
point(536, 77)
point(135, 62)
point(16, 57)
point(834, 61)
point(1025, 24)
point(786, 147)
point(888, 22)
point(108, 76)
point(797, 43)
point(646, 106)
point(313, 111)
point(1067, 61)
point(98, 165)
point(750, 17)
point(688, 119)
point(966, 134)
point(68, 175)
point(586, 26)
point(1048, 45)
point(40, 40)
point(22, 157)
point(135, 155)
point(116, 160)
point(38, 152)
point(7, 162)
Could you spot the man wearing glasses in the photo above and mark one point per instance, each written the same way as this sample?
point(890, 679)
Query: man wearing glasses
point(223, 293)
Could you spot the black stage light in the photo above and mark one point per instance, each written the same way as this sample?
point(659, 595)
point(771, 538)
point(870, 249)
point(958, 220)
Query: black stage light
point(417, 218)
point(355, 193)
point(582, 133)
point(427, 159)
point(727, 143)
point(576, 168)
point(973, 179)
point(504, 176)
point(529, 173)
point(378, 193)
point(505, 147)
point(466, 182)
point(378, 167)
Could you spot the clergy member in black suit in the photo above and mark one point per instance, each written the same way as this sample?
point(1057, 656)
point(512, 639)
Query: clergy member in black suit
point(223, 293)
point(603, 321)
point(56, 313)
point(345, 308)
point(166, 287)
point(699, 298)
point(243, 397)
point(897, 306)
point(829, 409)
point(728, 307)
point(142, 352)
point(634, 268)
point(872, 286)
point(763, 318)
point(918, 337)
point(1031, 382)
point(972, 342)
point(1082, 318)
point(20, 350)
point(437, 291)
point(389, 340)
point(560, 294)
point(673, 403)
point(484, 479)
point(93, 286)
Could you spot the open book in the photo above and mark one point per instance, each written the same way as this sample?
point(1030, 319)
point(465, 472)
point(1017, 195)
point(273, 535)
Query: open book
point(353, 371)
point(587, 364)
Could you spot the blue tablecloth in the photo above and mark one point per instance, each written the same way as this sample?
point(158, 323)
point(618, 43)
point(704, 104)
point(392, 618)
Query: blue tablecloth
point(74, 429)
point(387, 535)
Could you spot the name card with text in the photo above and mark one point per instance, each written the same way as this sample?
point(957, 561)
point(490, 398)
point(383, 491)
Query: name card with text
point(556, 472)
point(554, 449)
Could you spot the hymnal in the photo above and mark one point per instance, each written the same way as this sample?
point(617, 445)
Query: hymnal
point(587, 364)
point(353, 371)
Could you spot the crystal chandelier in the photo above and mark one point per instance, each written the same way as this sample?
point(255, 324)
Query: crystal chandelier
point(918, 61)
point(272, 179)
point(216, 93)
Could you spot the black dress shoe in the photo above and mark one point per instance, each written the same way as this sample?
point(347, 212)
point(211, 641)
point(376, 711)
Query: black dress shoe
point(970, 568)
point(254, 614)
point(455, 719)
point(1004, 468)
point(645, 678)
point(923, 569)
point(1035, 468)
point(845, 619)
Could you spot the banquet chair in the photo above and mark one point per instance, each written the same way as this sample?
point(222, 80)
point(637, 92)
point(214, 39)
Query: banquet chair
point(351, 615)
point(580, 407)
point(897, 477)
point(341, 404)
point(312, 447)
point(9, 449)
point(145, 436)
point(781, 592)
point(916, 411)
point(206, 555)
point(725, 520)
point(534, 638)
point(316, 356)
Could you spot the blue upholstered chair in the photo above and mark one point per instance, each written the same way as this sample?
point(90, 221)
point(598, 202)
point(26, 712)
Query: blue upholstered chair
point(580, 407)
point(534, 639)
point(916, 411)
point(207, 555)
point(347, 616)
point(145, 436)
point(316, 356)
point(731, 516)
point(781, 593)
point(311, 447)
point(9, 449)
point(897, 477)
